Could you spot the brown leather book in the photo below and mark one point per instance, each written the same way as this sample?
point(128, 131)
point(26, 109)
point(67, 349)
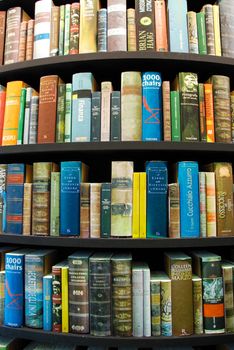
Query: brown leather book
point(30, 39)
point(47, 108)
point(22, 43)
point(2, 34)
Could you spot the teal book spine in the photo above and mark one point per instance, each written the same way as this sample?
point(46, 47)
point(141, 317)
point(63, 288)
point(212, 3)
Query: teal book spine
point(115, 116)
point(33, 125)
point(105, 210)
point(151, 106)
point(82, 86)
point(67, 29)
point(61, 30)
point(68, 112)
point(21, 117)
point(47, 302)
point(96, 116)
point(156, 199)
point(177, 25)
point(55, 204)
point(175, 116)
point(188, 179)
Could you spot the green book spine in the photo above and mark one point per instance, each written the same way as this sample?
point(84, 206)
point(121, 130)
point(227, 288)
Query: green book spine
point(67, 29)
point(55, 204)
point(60, 123)
point(202, 112)
point(68, 111)
point(155, 289)
point(21, 116)
point(175, 116)
point(61, 30)
point(105, 210)
point(201, 30)
point(189, 106)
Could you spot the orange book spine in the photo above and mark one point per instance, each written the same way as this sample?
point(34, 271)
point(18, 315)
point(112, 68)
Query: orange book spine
point(161, 26)
point(22, 42)
point(11, 115)
point(30, 39)
point(209, 107)
point(2, 110)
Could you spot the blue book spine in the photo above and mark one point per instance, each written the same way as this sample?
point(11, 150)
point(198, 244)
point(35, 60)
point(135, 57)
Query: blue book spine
point(14, 290)
point(15, 193)
point(70, 198)
point(47, 303)
point(151, 106)
point(177, 23)
point(157, 202)
point(188, 178)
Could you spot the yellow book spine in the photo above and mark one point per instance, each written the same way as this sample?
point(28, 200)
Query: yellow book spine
point(218, 51)
point(88, 26)
point(142, 205)
point(11, 115)
point(136, 206)
point(65, 322)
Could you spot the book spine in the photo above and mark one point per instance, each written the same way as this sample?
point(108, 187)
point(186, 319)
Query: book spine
point(174, 210)
point(65, 306)
point(201, 31)
point(202, 198)
point(100, 297)
point(211, 224)
point(146, 303)
point(2, 110)
point(131, 29)
point(88, 26)
point(157, 206)
point(34, 269)
point(42, 34)
point(217, 37)
point(131, 106)
point(209, 108)
point(60, 119)
point(30, 39)
point(56, 299)
point(54, 30)
point(166, 111)
point(33, 120)
point(84, 210)
point(202, 112)
point(22, 41)
point(115, 122)
point(95, 210)
point(27, 209)
point(227, 273)
point(102, 30)
point(175, 116)
point(105, 210)
point(192, 32)
point(121, 199)
point(47, 303)
point(2, 296)
point(117, 25)
point(2, 34)
point(210, 39)
point(166, 309)
point(226, 23)
point(61, 29)
point(145, 27)
point(21, 117)
point(96, 116)
point(74, 28)
point(81, 115)
point(78, 295)
point(106, 90)
point(3, 175)
point(232, 110)
point(12, 35)
point(151, 106)
point(155, 308)
point(29, 92)
point(136, 206)
point(197, 306)
point(189, 199)
point(67, 29)
point(137, 302)
point(177, 25)
point(161, 26)
point(68, 113)
point(55, 204)
point(142, 205)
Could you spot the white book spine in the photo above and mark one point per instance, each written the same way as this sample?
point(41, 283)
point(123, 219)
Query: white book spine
point(137, 302)
point(27, 115)
point(105, 111)
point(147, 304)
point(41, 46)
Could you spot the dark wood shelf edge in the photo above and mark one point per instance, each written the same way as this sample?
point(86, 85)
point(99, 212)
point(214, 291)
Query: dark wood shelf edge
point(50, 337)
point(114, 243)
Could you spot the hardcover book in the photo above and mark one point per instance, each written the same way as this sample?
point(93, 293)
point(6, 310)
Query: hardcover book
point(161, 26)
point(2, 296)
point(54, 31)
point(145, 27)
point(174, 210)
point(166, 303)
point(192, 31)
point(27, 209)
point(228, 282)
point(131, 29)
point(74, 28)
point(115, 122)
point(30, 40)
point(166, 111)
point(142, 205)
point(2, 34)
point(106, 90)
point(202, 113)
point(155, 290)
point(117, 25)
point(33, 124)
point(61, 29)
point(55, 204)
point(2, 104)
point(102, 30)
point(202, 200)
point(105, 210)
point(67, 29)
point(217, 38)
point(209, 20)
point(211, 222)
point(22, 41)
point(201, 31)
point(47, 302)
point(88, 26)
point(95, 210)
point(96, 117)
point(3, 175)
point(175, 116)
point(24, 118)
point(197, 305)
point(42, 34)
point(60, 118)
point(136, 205)
point(209, 109)
point(84, 210)
point(226, 12)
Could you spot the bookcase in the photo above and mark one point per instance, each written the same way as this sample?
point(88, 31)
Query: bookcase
point(108, 66)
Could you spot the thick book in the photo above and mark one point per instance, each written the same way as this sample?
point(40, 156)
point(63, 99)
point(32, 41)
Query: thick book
point(88, 26)
point(105, 210)
point(55, 204)
point(115, 115)
point(84, 210)
point(72, 174)
point(74, 28)
point(131, 106)
point(100, 293)
point(95, 210)
point(166, 110)
point(121, 275)
point(54, 31)
point(209, 20)
point(173, 210)
point(197, 305)
point(117, 25)
point(201, 31)
point(106, 90)
point(27, 209)
point(95, 117)
point(102, 30)
point(68, 113)
point(121, 199)
point(47, 302)
point(37, 264)
point(157, 206)
point(179, 269)
point(3, 176)
point(78, 279)
point(151, 106)
point(226, 12)
point(161, 26)
point(228, 283)
point(155, 290)
point(192, 32)
point(145, 27)
point(187, 177)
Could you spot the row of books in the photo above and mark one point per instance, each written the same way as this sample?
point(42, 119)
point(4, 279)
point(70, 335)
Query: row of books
point(45, 199)
point(145, 109)
point(108, 293)
point(153, 25)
